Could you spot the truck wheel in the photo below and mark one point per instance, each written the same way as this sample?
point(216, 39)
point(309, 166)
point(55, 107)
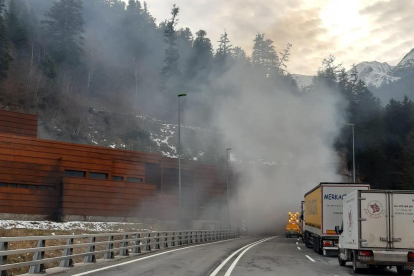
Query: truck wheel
point(320, 250)
point(354, 267)
point(307, 244)
point(340, 261)
point(317, 245)
point(401, 271)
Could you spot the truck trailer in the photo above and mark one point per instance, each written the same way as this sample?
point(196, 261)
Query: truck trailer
point(323, 211)
point(378, 230)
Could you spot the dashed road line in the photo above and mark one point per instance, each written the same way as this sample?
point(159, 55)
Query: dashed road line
point(299, 248)
point(310, 258)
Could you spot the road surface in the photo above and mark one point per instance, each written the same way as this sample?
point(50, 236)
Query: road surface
point(240, 257)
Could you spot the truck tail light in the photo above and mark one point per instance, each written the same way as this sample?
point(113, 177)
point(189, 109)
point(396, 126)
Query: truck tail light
point(327, 243)
point(365, 255)
point(411, 256)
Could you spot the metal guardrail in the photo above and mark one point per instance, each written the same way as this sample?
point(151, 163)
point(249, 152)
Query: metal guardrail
point(131, 242)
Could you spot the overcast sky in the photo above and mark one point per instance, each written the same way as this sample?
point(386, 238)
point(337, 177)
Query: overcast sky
point(352, 30)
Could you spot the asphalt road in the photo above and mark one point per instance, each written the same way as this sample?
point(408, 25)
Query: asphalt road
point(282, 256)
point(244, 256)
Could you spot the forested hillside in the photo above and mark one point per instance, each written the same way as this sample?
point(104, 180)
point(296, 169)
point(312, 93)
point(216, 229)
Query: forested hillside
point(105, 72)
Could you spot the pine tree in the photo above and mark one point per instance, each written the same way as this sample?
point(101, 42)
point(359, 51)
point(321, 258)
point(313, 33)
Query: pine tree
point(17, 32)
point(224, 51)
point(264, 56)
point(240, 56)
point(63, 31)
point(49, 67)
point(200, 59)
point(405, 177)
point(284, 58)
point(327, 75)
point(171, 69)
point(5, 57)
point(367, 116)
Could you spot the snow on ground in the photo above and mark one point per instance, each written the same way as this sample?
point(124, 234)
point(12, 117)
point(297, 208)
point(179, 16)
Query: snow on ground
point(167, 131)
point(71, 225)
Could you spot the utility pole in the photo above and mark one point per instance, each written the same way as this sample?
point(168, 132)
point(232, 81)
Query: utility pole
point(179, 164)
point(228, 201)
point(353, 151)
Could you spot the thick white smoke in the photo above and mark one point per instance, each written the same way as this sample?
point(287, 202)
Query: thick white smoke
point(282, 144)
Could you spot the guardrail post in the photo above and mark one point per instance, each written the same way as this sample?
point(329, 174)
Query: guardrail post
point(165, 239)
point(137, 244)
point(172, 241)
point(39, 255)
point(3, 259)
point(157, 241)
point(148, 247)
point(186, 237)
point(125, 251)
point(109, 254)
point(67, 252)
point(91, 248)
point(180, 238)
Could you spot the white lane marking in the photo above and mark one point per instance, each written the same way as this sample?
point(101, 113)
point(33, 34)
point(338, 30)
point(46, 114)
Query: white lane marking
point(299, 248)
point(297, 243)
point(148, 257)
point(230, 270)
point(217, 270)
point(310, 258)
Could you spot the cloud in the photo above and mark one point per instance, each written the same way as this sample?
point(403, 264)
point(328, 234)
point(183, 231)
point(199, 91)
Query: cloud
point(352, 30)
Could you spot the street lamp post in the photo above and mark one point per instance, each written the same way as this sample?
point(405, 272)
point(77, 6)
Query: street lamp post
point(353, 150)
point(228, 202)
point(179, 162)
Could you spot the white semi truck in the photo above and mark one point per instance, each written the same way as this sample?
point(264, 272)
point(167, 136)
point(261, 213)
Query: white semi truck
point(323, 211)
point(378, 230)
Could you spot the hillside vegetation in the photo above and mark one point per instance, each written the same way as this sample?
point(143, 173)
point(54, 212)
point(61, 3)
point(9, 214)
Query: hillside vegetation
point(104, 72)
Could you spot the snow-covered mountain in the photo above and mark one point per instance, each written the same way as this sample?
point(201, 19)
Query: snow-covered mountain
point(407, 61)
point(375, 73)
